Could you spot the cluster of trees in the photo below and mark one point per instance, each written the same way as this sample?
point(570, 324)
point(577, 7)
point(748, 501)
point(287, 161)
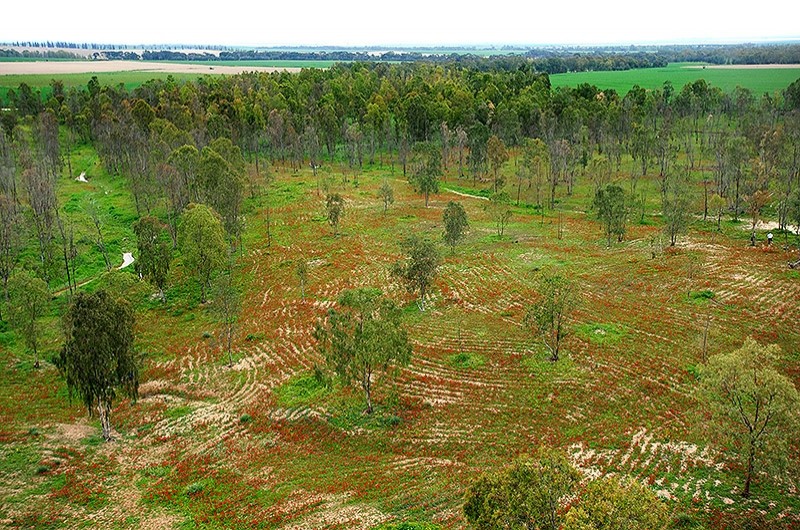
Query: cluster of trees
point(533, 492)
point(36, 54)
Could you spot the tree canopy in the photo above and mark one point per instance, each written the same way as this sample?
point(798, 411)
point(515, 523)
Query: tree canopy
point(418, 270)
point(363, 338)
point(754, 407)
point(530, 493)
point(202, 241)
point(98, 359)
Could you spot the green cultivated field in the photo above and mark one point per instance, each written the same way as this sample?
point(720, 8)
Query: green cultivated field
point(131, 80)
point(759, 80)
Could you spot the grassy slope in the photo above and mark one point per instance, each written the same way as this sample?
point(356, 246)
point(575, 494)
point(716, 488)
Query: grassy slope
point(211, 445)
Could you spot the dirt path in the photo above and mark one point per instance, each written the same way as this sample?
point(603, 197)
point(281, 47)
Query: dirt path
point(480, 197)
point(127, 259)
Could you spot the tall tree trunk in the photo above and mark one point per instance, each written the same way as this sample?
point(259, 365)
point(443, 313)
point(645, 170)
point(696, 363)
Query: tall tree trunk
point(751, 457)
point(367, 384)
point(105, 422)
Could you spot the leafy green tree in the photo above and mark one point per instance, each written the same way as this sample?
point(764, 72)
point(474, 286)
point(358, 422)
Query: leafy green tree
point(754, 407)
point(612, 210)
point(154, 251)
point(717, 205)
point(498, 155)
point(675, 205)
point(427, 169)
point(613, 504)
point(548, 317)
point(98, 359)
point(202, 241)
point(499, 207)
point(226, 307)
point(28, 301)
point(334, 208)
point(455, 224)
point(419, 268)
point(535, 163)
point(386, 193)
point(529, 494)
point(793, 214)
point(222, 183)
point(363, 338)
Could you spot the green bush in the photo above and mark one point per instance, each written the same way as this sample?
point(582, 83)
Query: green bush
point(301, 390)
point(466, 361)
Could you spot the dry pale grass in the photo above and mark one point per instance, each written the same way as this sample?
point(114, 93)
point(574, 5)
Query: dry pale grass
point(85, 67)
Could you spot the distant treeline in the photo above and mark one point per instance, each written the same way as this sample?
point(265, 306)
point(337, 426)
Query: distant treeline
point(552, 60)
point(733, 54)
point(36, 54)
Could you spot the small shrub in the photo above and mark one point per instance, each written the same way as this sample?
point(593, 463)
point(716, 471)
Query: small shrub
point(194, 488)
point(466, 361)
point(701, 296)
point(245, 418)
point(207, 334)
point(42, 469)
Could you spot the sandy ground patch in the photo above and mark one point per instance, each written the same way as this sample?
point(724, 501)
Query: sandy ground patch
point(746, 66)
point(96, 67)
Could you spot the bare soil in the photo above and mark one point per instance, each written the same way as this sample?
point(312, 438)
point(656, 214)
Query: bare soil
point(82, 67)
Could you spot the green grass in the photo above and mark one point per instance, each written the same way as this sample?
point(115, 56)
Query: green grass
point(760, 81)
point(175, 413)
point(466, 361)
point(303, 389)
point(701, 296)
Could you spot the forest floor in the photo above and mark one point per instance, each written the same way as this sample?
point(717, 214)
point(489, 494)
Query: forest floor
point(262, 443)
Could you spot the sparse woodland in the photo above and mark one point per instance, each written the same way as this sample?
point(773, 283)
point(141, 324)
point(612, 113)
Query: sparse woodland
point(442, 294)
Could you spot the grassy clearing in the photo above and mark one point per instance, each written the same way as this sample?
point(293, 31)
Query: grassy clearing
point(600, 333)
point(266, 443)
point(760, 81)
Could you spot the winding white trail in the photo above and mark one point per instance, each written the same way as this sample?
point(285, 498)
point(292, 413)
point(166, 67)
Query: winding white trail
point(127, 259)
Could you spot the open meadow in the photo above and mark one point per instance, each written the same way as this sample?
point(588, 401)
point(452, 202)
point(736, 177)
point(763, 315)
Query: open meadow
point(264, 444)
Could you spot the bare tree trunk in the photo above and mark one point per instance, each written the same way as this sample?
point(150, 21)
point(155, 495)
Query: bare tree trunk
point(105, 422)
point(367, 384)
point(705, 338)
point(751, 458)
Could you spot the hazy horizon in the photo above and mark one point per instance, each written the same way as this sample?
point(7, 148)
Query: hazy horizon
point(414, 24)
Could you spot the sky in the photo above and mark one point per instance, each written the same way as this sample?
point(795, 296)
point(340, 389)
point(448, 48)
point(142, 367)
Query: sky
point(403, 23)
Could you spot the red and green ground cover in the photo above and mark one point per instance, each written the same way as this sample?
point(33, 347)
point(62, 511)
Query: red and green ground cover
point(262, 444)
